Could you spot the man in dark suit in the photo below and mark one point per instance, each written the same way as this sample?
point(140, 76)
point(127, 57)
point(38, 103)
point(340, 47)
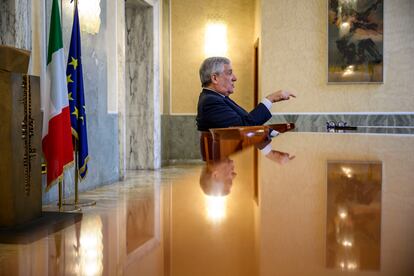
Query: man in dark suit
point(217, 110)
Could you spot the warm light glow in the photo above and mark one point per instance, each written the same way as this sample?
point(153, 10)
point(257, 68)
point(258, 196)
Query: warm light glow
point(346, 243)
point(91, 246)
point(347, 171)
point(343, 214)
point(351, 266)
point(89, 14)
point(348, 71)
point(216, 208)
point(344, 29)
point(348, 266)
point(215, 40)
point(345, 25)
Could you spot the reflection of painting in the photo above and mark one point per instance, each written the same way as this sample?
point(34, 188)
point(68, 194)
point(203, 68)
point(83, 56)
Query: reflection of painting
point(353, 228)
point(355, 41)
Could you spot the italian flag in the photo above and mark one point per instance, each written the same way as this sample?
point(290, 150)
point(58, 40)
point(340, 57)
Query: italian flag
point(56, 133)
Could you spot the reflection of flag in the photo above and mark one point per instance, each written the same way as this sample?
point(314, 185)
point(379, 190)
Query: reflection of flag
point(74, 78)
point(56, 138)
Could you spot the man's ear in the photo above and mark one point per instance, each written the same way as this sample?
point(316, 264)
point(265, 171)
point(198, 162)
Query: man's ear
point(214, 78)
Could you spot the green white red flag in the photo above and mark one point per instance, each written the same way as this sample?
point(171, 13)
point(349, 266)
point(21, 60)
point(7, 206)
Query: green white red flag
point(56, 132)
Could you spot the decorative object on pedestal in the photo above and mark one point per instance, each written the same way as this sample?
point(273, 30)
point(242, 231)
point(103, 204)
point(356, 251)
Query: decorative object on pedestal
point(20, 134)
point(27, 134)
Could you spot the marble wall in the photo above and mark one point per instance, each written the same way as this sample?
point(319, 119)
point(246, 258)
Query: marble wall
point(183, 139)
point(15, 20)
point(165, 140)
point(139, 86)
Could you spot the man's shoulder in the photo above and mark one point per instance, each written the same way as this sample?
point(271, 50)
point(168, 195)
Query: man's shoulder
point(208, 92)
point(208, 95)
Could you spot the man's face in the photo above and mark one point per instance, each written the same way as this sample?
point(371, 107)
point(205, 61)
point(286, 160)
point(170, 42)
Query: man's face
point(223, 175)
point(224, 82)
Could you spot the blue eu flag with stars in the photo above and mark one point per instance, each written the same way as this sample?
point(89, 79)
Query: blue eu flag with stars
point(77, 106)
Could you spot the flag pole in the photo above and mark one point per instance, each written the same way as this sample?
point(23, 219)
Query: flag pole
point(60, 196)
point(76, 166)
point(79, 136)
point(77, 202)
point(61, 201)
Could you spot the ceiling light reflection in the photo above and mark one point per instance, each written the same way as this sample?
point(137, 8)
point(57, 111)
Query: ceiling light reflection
point(348, 265)
point(342, 214)
point(216, 208)
point(346, 243)
point(344, 29)
point(349, 70)
point(91, 246)
point(347, 171)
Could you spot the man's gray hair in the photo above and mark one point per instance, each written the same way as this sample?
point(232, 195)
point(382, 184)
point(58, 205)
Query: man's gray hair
point(210, 66)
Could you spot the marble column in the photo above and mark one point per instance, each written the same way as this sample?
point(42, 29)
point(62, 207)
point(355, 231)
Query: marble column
point(140, 95)
point(15, 23)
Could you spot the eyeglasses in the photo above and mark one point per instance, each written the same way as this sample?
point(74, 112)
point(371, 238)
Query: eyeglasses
point(339, 126)
point(333, 124)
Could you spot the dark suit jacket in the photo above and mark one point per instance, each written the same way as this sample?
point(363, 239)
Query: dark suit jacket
point(214, 111)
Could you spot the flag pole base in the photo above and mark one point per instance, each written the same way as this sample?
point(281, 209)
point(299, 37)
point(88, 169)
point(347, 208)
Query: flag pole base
point(80, 203)
point(66, 208)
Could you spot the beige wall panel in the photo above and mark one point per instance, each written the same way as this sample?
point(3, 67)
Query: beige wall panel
point(294, 56)
point(188, 20)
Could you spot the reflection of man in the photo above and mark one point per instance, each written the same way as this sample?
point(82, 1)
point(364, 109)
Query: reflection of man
point(217, 177)
point(276, 156)
point(217, 110)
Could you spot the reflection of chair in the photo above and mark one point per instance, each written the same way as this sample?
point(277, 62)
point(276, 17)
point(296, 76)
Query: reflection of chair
point(206, 145)
point(222, 142)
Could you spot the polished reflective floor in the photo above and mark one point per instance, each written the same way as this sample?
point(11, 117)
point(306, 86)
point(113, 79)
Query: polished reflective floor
point(315, 204)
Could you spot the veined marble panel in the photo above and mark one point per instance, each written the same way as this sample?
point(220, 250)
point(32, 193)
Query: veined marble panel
point(183, 138)
point(15, 23)
point(139, 59)
point(140, 148)
point(165, 149)
point(139, 97)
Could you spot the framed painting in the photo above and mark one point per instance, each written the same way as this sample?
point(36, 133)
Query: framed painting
point(355, 41)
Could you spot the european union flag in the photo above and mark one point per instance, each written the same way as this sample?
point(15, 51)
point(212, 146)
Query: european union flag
point(77, 106)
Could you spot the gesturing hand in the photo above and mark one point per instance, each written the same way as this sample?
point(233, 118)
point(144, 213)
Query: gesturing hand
point(279, 157)
point(280, 95)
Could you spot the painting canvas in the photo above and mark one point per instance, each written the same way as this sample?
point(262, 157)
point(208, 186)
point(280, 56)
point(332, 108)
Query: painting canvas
point(353, 226)
point(355, 43)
